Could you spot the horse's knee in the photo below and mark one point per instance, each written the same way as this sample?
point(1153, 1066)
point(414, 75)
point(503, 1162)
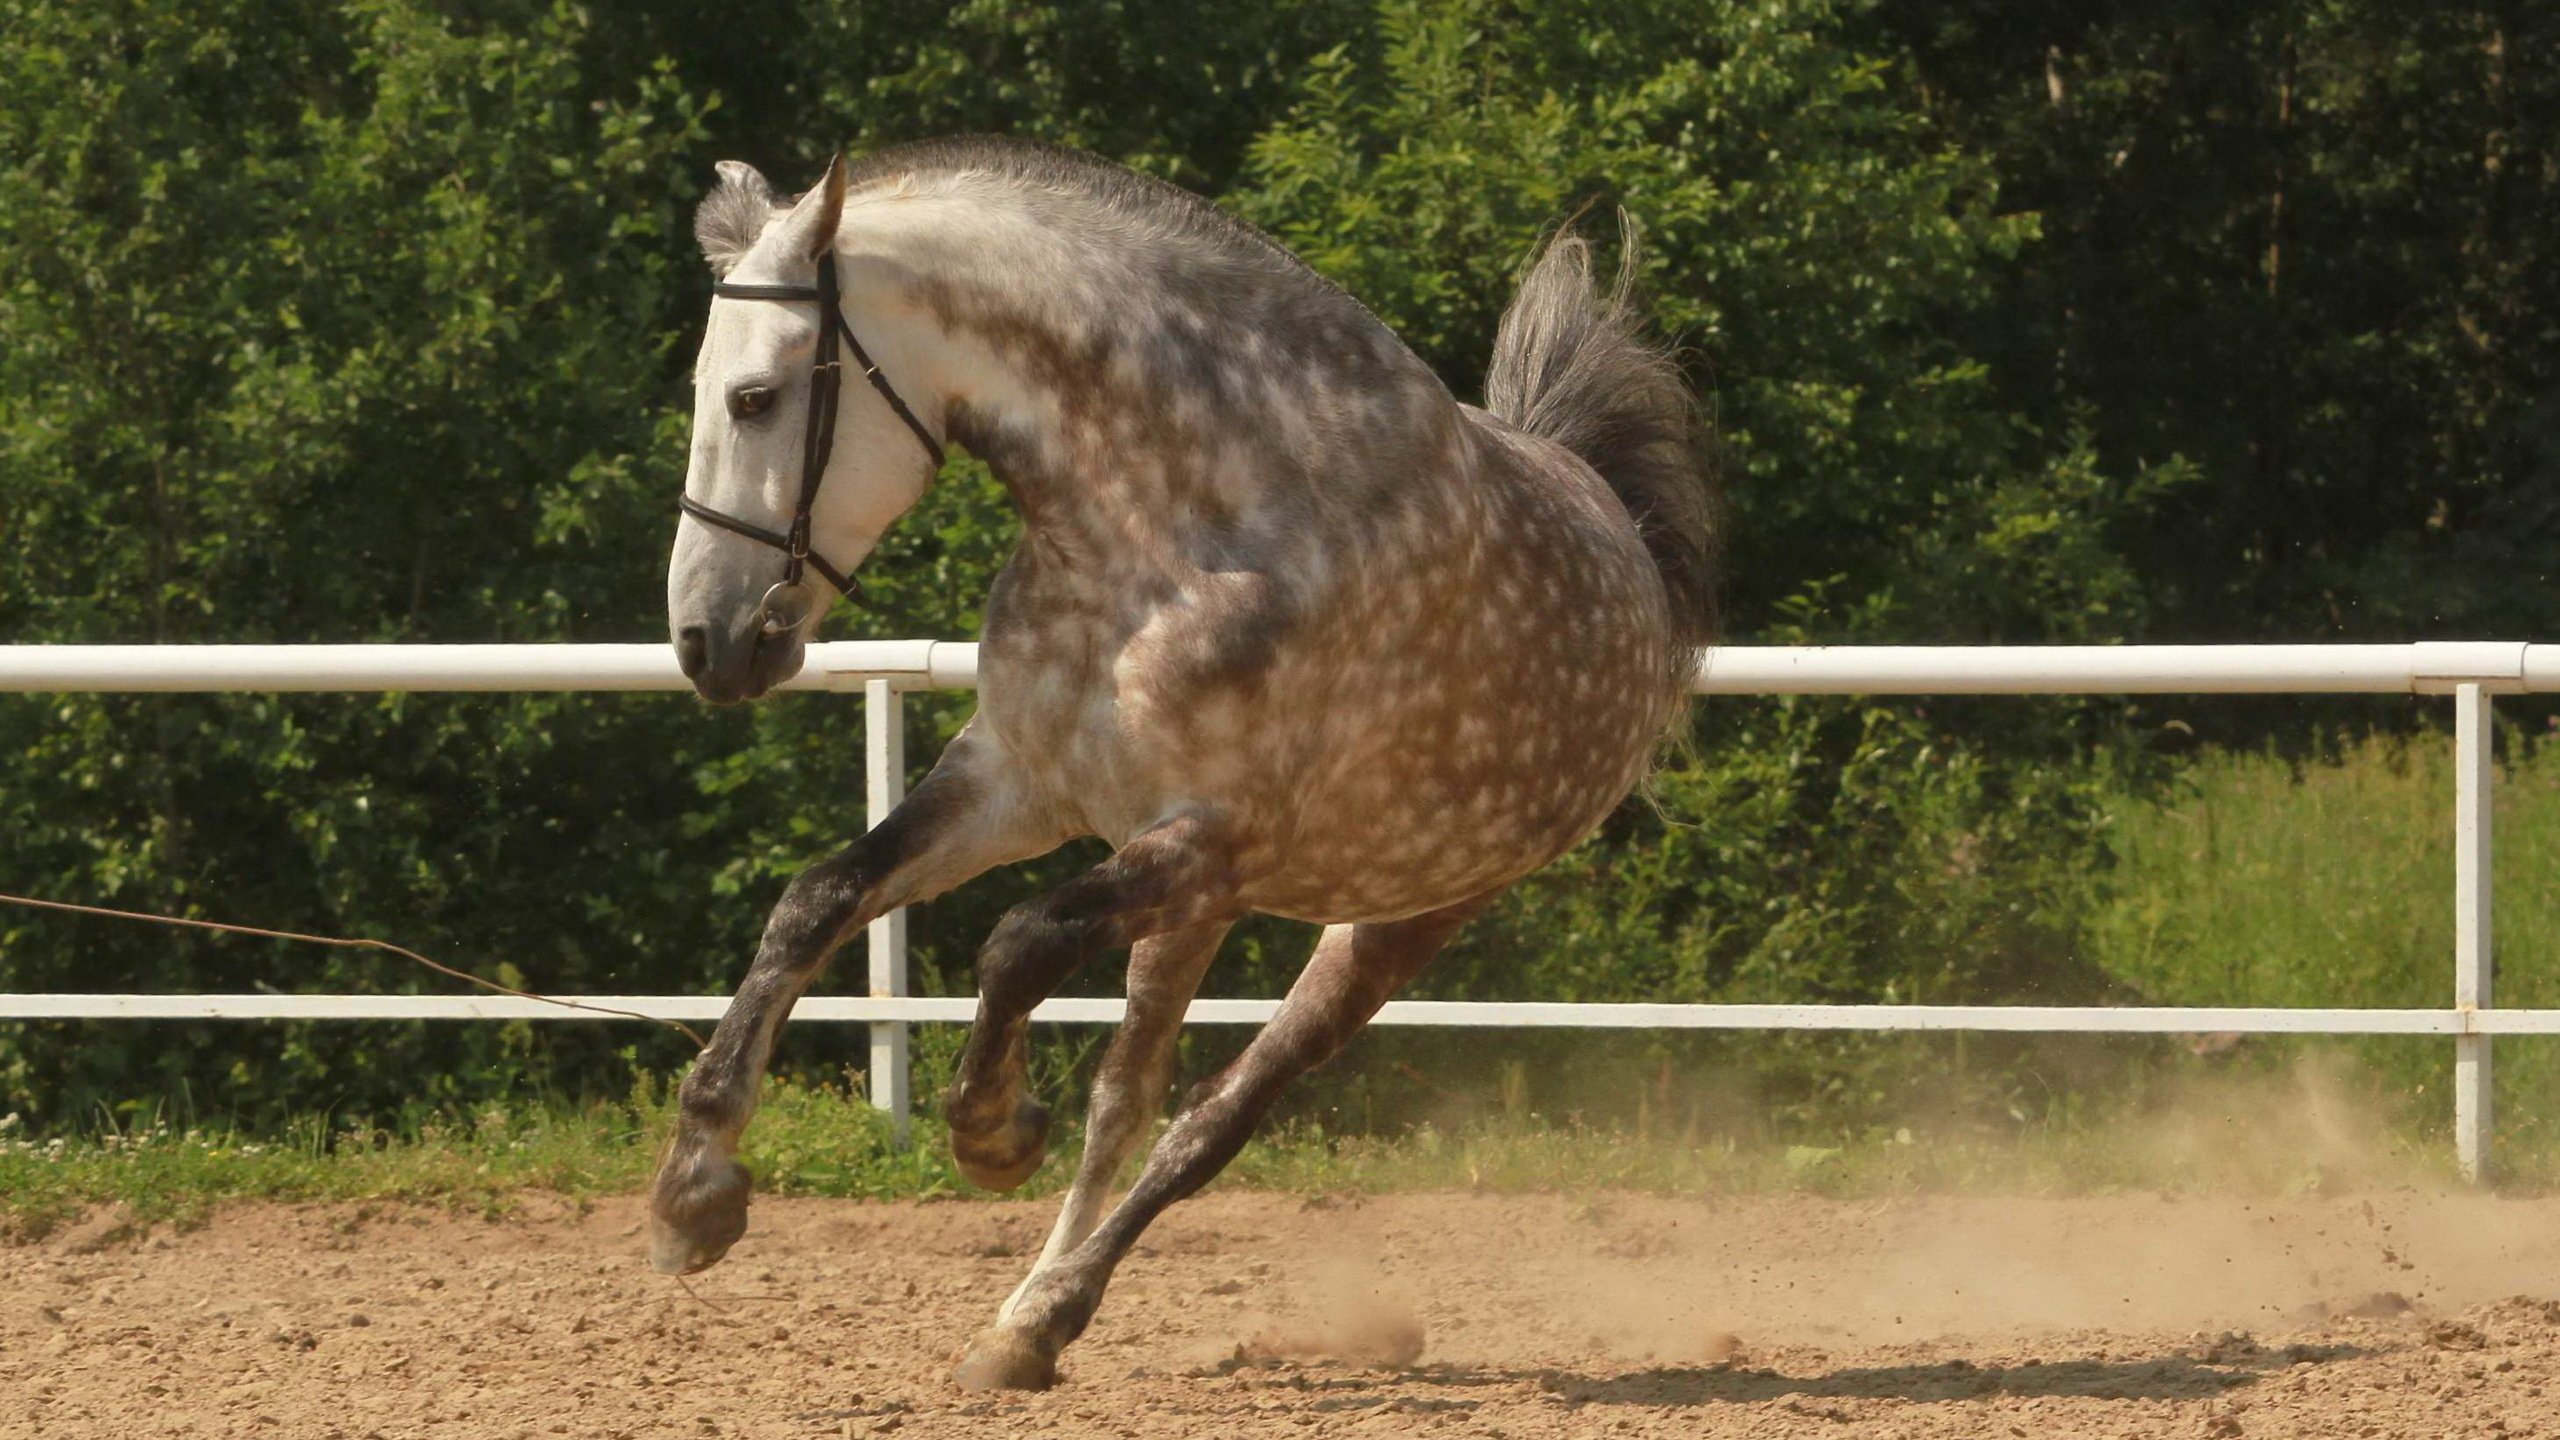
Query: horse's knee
point(1191, 1097)
point(1023, 956)
point(813, 914)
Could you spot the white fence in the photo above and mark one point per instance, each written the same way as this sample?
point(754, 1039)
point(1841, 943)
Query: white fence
point(2472, 673)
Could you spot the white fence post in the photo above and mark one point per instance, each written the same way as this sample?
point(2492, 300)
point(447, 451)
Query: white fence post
point(2473, 774)
point(884, 747)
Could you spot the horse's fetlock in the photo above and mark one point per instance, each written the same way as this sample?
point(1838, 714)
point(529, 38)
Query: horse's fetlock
point(705, 1107)
point(697, 1207)
point(974, 1103)
point(999, 1147)
point(1004, 1358)
point(1067, 1310)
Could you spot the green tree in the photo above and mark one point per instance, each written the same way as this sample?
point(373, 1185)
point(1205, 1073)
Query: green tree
point(332, 324)
point(2305, 250)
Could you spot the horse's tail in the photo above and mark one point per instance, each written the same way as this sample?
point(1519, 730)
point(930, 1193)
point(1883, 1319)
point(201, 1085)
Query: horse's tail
point(1571, 364)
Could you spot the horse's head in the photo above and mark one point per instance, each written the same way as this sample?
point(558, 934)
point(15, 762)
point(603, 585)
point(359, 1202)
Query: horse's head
point(794, 475)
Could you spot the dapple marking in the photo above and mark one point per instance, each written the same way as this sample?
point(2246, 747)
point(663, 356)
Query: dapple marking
point(1289, 627)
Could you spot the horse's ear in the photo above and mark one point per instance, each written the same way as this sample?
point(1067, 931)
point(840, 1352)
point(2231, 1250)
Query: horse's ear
point(733, 215)
point(745, 177)
point(815, 215)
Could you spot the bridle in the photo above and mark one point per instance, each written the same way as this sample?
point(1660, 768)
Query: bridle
point(787, 606)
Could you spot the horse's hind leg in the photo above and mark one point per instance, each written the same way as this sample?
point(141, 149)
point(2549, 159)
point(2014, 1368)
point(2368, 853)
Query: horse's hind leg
point(1172, 877)
point(1128, 1090)
point(1354, 970)
point(959, 822)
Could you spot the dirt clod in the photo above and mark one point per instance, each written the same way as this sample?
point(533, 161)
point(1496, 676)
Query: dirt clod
point(98, 1230)
point(2380, 1305)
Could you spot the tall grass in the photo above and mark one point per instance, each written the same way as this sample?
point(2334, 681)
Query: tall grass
point(807, 1140)
point(2265, 881)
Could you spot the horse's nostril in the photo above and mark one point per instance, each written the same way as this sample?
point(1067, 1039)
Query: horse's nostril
point(693, 651)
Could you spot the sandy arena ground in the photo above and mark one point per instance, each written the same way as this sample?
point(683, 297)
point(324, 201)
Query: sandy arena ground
point(1258, 1314)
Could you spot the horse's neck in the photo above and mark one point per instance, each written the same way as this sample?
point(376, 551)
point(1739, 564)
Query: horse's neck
point(1144, 416)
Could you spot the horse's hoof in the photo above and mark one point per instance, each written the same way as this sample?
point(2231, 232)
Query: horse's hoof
point(1001, 1359)
point(1004, 1157)
point(697, 1210)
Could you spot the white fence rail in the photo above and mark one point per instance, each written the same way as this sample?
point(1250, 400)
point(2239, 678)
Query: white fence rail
point(2471, 672)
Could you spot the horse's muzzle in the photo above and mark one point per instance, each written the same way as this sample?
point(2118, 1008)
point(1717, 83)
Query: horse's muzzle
point(728, 669)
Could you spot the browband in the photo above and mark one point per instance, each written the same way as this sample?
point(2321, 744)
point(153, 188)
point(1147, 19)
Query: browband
point(870, 367)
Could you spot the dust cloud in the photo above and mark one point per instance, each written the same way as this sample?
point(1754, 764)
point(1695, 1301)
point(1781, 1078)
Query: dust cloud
point(2235, 1202)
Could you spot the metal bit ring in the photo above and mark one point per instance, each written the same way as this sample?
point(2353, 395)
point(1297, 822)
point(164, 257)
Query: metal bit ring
point(789, 604)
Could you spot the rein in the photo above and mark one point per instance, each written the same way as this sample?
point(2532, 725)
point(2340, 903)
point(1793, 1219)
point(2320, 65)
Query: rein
point(787, 606)
point(351, 943)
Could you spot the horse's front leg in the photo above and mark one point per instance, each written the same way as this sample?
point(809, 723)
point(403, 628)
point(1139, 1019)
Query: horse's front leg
point(962, 820)
point(1353, 972)
point(1175, 876)
point(1129, 1088)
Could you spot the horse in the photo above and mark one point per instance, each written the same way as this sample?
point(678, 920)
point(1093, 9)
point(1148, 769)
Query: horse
point(1289, 627)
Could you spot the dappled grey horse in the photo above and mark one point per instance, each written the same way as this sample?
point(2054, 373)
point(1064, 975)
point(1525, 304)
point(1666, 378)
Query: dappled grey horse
point(1289, 627)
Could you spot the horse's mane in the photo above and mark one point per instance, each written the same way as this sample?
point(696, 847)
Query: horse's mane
point(1038, 164)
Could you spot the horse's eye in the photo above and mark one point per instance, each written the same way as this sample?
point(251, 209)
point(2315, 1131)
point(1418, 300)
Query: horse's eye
point(750, 401)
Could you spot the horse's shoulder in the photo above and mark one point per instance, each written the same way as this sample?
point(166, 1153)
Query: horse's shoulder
point(1219, 629)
